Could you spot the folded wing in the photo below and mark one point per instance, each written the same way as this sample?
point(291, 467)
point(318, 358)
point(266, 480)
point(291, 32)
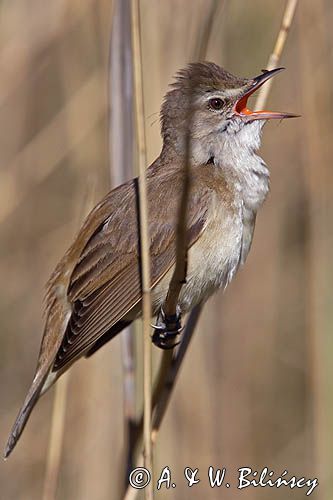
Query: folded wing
point(105, 286)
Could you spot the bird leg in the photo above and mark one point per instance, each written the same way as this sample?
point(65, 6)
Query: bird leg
point(167, 329)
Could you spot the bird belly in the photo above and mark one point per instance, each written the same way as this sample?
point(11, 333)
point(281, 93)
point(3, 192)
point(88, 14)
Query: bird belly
point(212, 262)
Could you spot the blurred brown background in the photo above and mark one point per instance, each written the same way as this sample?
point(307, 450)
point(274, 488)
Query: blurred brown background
point(256, 387)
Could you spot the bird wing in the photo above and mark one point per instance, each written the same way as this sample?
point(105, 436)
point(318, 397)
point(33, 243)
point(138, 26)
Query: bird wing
point(98, 280)
point(105, 284)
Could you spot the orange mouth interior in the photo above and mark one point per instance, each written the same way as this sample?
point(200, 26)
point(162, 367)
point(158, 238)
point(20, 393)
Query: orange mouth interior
point(241, 107)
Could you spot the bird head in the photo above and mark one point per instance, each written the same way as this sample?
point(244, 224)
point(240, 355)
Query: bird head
point(207, 102)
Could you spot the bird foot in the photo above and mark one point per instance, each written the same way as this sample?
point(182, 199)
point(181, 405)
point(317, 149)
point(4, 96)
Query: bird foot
point(167, 330)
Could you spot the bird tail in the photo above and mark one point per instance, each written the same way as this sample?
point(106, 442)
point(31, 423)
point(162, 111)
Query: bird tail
point(22, 418)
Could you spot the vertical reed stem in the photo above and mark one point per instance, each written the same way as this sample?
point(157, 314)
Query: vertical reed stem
point(56, 438)
point(121, 147)
point(274, 58)
point(144, 241)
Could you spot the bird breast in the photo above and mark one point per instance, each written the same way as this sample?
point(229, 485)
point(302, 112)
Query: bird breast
point(212, 260)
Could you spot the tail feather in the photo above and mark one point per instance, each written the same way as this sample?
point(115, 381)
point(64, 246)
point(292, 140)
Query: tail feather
point(22, 418)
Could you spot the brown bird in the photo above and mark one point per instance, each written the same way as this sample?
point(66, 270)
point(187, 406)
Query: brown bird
point(95, 290)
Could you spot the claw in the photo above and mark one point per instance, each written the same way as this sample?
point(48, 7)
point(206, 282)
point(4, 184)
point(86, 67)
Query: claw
point(167, 329)
point(165, 345)
point(158, 327)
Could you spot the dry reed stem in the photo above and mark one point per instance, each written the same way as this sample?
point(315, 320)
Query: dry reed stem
point(274, 58)
point(144, 240)
point(170, 364)
point(61, 388)
point(121, 169)
point(56, 438)
point(164, 379)
point(170, 370)
point(215, 10)
point(165, 382)
point(179, 275)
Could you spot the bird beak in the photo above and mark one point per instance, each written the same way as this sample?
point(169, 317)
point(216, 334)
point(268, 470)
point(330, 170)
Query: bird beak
point(241, 109)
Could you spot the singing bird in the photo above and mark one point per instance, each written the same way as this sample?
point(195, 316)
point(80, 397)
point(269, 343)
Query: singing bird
point(95, 290)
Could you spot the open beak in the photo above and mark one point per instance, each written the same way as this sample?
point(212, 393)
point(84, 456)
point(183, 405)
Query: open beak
point(241, 105)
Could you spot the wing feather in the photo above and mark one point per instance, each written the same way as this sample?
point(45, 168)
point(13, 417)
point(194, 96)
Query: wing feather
point(105, 285)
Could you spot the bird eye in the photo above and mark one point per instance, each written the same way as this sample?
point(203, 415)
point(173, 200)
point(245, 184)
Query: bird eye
point(216, 103)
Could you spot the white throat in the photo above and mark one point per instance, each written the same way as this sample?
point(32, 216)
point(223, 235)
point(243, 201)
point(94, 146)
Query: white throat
point(234, 151)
